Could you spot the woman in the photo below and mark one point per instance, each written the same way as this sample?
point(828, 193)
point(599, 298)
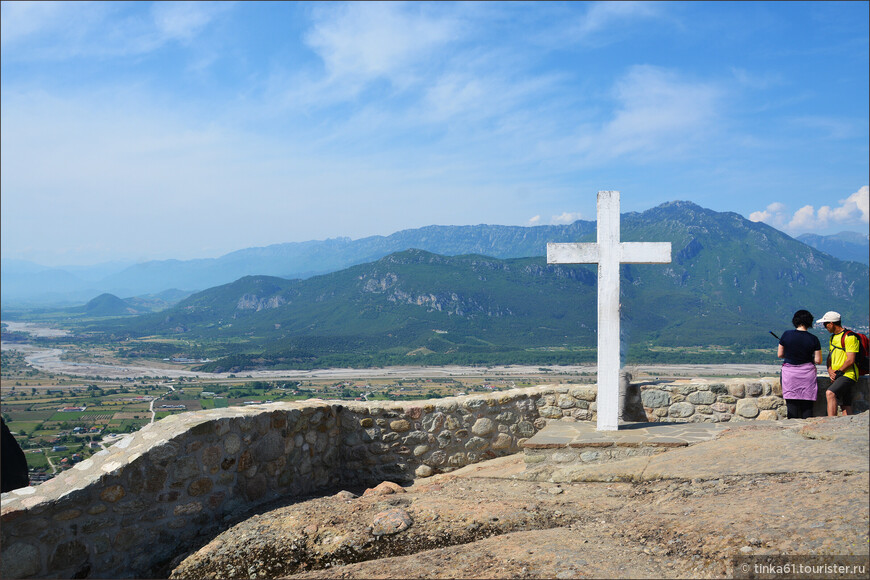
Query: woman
point(800, 352)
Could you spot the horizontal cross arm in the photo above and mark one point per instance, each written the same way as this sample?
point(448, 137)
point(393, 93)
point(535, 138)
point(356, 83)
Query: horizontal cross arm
point(645, 252)
point(572, 253)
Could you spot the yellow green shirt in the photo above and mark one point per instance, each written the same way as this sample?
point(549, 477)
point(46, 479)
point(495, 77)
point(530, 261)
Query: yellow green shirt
point(838, 355)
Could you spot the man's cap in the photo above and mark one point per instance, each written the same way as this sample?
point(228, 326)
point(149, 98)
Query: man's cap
point(829, 316)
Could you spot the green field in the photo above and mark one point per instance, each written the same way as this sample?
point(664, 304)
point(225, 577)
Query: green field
point(31, 415)
point(23, 426)
point(36, 460)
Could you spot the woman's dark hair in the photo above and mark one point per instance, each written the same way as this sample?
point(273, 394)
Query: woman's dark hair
point(802, 318)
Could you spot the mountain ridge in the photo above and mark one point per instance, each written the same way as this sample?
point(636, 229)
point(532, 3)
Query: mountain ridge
point(23, 282)
point(730, 281)
point(844, 245)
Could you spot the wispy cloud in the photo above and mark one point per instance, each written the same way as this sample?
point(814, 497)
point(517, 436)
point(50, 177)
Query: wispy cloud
point(602, 16)
point(658, 115)
point(832, 127)
point(601, 24)
point(851, 211)
point(361, 42)
point(363, 118)
point(566, 218)
point(56, 31)
point(183, 21)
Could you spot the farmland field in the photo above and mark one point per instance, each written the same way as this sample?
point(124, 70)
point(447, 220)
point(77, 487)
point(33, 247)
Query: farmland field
point(36, 460)
point(24, 426)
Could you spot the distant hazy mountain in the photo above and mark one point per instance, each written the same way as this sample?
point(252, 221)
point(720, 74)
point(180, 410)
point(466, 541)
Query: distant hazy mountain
point(845, 245)
point(730, 281)
point(31, 284)
point(109, 305)
point(28, 284)
point(35, 285)
point(290, 260)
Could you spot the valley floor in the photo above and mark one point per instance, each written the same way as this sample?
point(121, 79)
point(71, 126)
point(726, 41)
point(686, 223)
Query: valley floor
point(50, 361)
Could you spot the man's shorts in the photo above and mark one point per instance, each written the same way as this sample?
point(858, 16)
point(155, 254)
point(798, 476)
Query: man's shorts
point(843, 387)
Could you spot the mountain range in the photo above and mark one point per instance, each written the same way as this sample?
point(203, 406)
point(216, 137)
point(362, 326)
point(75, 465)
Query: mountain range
point(845, 245)
point(730, 282)
point(28, 284)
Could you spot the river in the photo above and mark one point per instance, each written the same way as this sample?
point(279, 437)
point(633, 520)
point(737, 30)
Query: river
point(49, 360)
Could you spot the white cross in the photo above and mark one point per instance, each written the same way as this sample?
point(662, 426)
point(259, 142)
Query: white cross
point(609, 253)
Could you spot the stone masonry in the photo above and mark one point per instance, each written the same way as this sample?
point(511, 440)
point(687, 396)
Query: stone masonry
point(129, 510)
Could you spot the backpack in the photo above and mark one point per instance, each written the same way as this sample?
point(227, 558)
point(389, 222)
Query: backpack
point(862, 359)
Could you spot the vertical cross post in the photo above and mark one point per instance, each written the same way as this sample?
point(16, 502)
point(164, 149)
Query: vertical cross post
point(608, 253)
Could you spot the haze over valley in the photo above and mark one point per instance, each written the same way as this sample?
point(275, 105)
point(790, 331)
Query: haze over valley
point(486, 297)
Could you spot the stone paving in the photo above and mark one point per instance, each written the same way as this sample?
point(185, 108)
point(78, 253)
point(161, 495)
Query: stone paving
point(559, 434)
point(567, 442)
point(693, 451)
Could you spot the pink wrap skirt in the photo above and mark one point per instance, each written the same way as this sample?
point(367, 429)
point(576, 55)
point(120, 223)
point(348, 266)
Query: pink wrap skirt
point(799, 382)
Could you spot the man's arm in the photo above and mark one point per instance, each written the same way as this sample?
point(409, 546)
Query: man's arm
point(850, 360)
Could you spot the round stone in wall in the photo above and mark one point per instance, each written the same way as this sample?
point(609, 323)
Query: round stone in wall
point(232, 443)
point(584, 393)
point(681, 410)
point(423, 471)
point(701, 398)
point(747, 408)
point(766, 403)
point(551, 412)
point(654, 398)
point(483, 426)
point(754, 389)
point(503, 441)
point(20, 560)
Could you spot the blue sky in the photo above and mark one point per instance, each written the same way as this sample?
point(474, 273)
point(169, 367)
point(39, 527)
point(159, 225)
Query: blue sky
point(137, 131)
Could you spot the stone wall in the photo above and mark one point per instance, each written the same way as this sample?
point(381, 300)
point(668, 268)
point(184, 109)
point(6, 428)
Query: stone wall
point(130, 509)
point(730, 400)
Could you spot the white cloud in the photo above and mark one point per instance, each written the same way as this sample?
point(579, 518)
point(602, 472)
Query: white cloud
point(566, 218)
point(603, 15)
point(21, 20)
point(63, 30)
point(658, 115)
point(773, 215)
point(803, 219)
point(184, 20)
point(601, 24)
point(852, 211)
point(535, 220)
point(361, 41)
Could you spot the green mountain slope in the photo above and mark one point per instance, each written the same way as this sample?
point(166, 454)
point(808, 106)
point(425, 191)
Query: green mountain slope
point(730, 281)
point(108, 305)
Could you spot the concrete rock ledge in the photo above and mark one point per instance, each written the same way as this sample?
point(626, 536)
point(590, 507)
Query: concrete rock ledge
point(129, 510)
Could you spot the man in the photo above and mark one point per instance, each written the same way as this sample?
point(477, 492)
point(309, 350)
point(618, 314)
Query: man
point(841, 364)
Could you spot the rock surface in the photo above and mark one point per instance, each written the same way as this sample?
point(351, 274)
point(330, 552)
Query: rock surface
point(708, 503)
